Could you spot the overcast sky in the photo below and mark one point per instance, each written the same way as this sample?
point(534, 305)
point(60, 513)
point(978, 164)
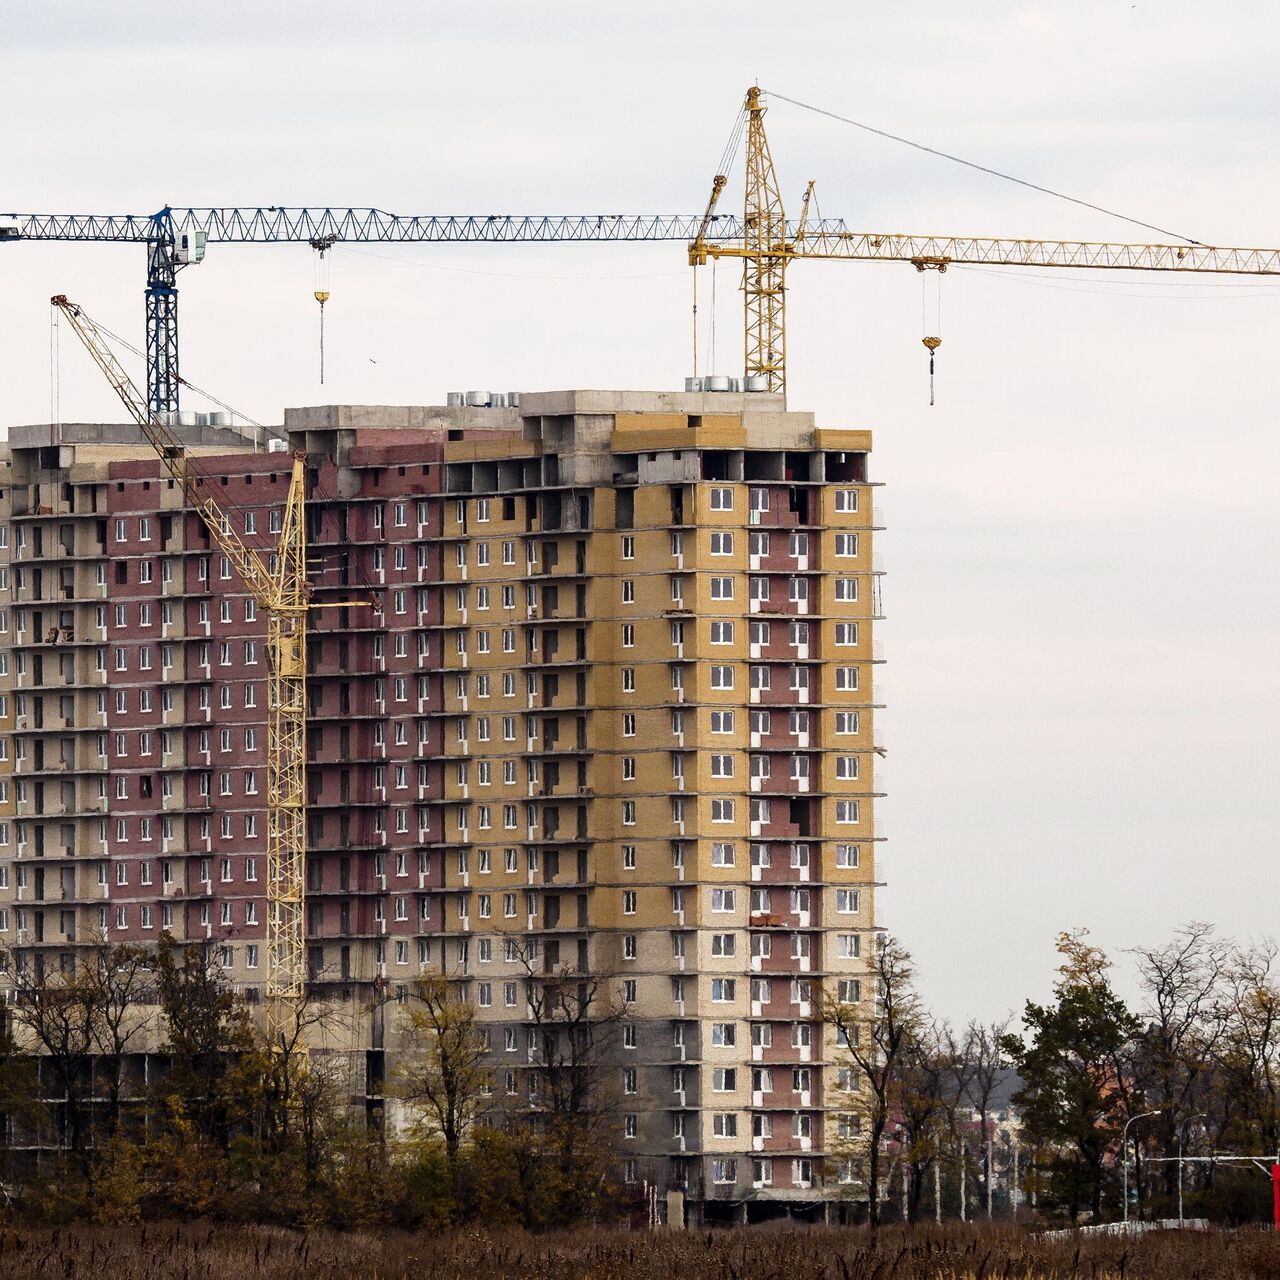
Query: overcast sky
point(1081, 546)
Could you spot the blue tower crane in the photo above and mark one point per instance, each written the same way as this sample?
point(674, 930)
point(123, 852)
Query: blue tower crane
point(177, 238)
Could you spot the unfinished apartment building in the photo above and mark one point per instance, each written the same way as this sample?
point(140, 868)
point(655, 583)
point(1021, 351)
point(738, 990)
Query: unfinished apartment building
point(597, 697)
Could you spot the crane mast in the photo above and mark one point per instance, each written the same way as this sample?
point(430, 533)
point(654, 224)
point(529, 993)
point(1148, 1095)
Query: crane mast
point(767, 243)
point(280, 589)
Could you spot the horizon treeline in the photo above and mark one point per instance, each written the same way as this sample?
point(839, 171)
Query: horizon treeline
point(922, 1121)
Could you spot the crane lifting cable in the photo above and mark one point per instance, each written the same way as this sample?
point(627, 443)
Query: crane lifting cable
point(931, 324)
point(322, 245)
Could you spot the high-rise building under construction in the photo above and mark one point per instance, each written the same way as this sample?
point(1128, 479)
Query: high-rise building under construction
point(595, 696)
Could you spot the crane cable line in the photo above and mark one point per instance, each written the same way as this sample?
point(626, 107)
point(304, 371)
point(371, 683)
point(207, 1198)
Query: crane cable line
point(982, 168)
point(1182, 292)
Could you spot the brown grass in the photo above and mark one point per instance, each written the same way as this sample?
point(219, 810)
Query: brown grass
point(201, 1252)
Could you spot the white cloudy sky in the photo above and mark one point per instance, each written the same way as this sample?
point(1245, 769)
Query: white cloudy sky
point(1082, 593)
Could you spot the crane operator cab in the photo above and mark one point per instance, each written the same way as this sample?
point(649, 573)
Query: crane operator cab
point(189, 246)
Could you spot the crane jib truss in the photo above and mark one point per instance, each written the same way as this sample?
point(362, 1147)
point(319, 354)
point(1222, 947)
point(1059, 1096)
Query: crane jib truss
point(762, 237)
point(161, 233)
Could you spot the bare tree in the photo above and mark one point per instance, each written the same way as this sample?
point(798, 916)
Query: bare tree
point(119, 984)
point(1185, 1015)
point(924, 1088)
point(1249, 1051)
point(53, 1014)
point(874, 1042)
point(576, 1018)
point(447, 1070)
point(986, 1065)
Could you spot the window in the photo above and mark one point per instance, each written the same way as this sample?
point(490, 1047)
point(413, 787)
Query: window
point(724, 1035)
point(724, 1124)
point(725, 1171)
point(722, 990)
point(846, 722)
point(847, 768)
point(628, 547)
point(628, 591)
point(628, 813)
point(629, 724)
point(847, 901)
point(847, 856)
point(723, 899)
point(721, 677)
point(846, 590)
point(721, 499)
point(721, 632)
point(722, 854)
point(721, 810)
point(846, 811)
point(724, 944)
point(722, 588)
point(846, 545)
point(721, 766)
point(722, 722)
point(722, 544)
point(848, 946)
point(848, 991)
point(846, 500)
point(724, 1079)
point(628, 902)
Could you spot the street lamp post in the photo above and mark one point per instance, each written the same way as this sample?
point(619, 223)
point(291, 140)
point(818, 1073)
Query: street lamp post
point(1124, 1155)
point(1182, 1128)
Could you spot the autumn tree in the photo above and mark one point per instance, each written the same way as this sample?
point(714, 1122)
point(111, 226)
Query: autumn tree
point(20, 1106)
point(54, 1014)
point(1185, 1016)
point(874, 1041)
point(208, 1032)
point(446, 1070)
point(118, 984)
point(1075, 1064)
point(575, 1017)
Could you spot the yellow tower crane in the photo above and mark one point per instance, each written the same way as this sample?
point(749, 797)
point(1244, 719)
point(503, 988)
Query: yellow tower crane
point(769, 245)
point(282, 592)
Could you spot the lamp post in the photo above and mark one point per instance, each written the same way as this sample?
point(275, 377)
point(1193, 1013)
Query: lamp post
point(1124, 1155)
point(1182, 1128)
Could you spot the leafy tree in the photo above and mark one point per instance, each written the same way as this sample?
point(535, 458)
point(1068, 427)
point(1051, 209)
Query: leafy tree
point(209, 1033)
point(1075, 1070)
point(447, 1069)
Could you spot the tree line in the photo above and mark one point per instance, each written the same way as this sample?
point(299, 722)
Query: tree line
point(1158, 1097)
point(922, 1120)
point(228, 1126)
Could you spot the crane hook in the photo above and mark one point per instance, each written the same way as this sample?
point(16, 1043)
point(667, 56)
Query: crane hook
point(933, 344)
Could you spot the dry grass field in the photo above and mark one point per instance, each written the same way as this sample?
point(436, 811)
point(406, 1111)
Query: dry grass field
point(197, 1252)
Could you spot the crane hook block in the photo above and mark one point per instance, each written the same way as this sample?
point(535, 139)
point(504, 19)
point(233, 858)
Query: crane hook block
point(932, 343)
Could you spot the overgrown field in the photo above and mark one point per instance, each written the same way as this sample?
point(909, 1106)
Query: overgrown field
point(263, 1253)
